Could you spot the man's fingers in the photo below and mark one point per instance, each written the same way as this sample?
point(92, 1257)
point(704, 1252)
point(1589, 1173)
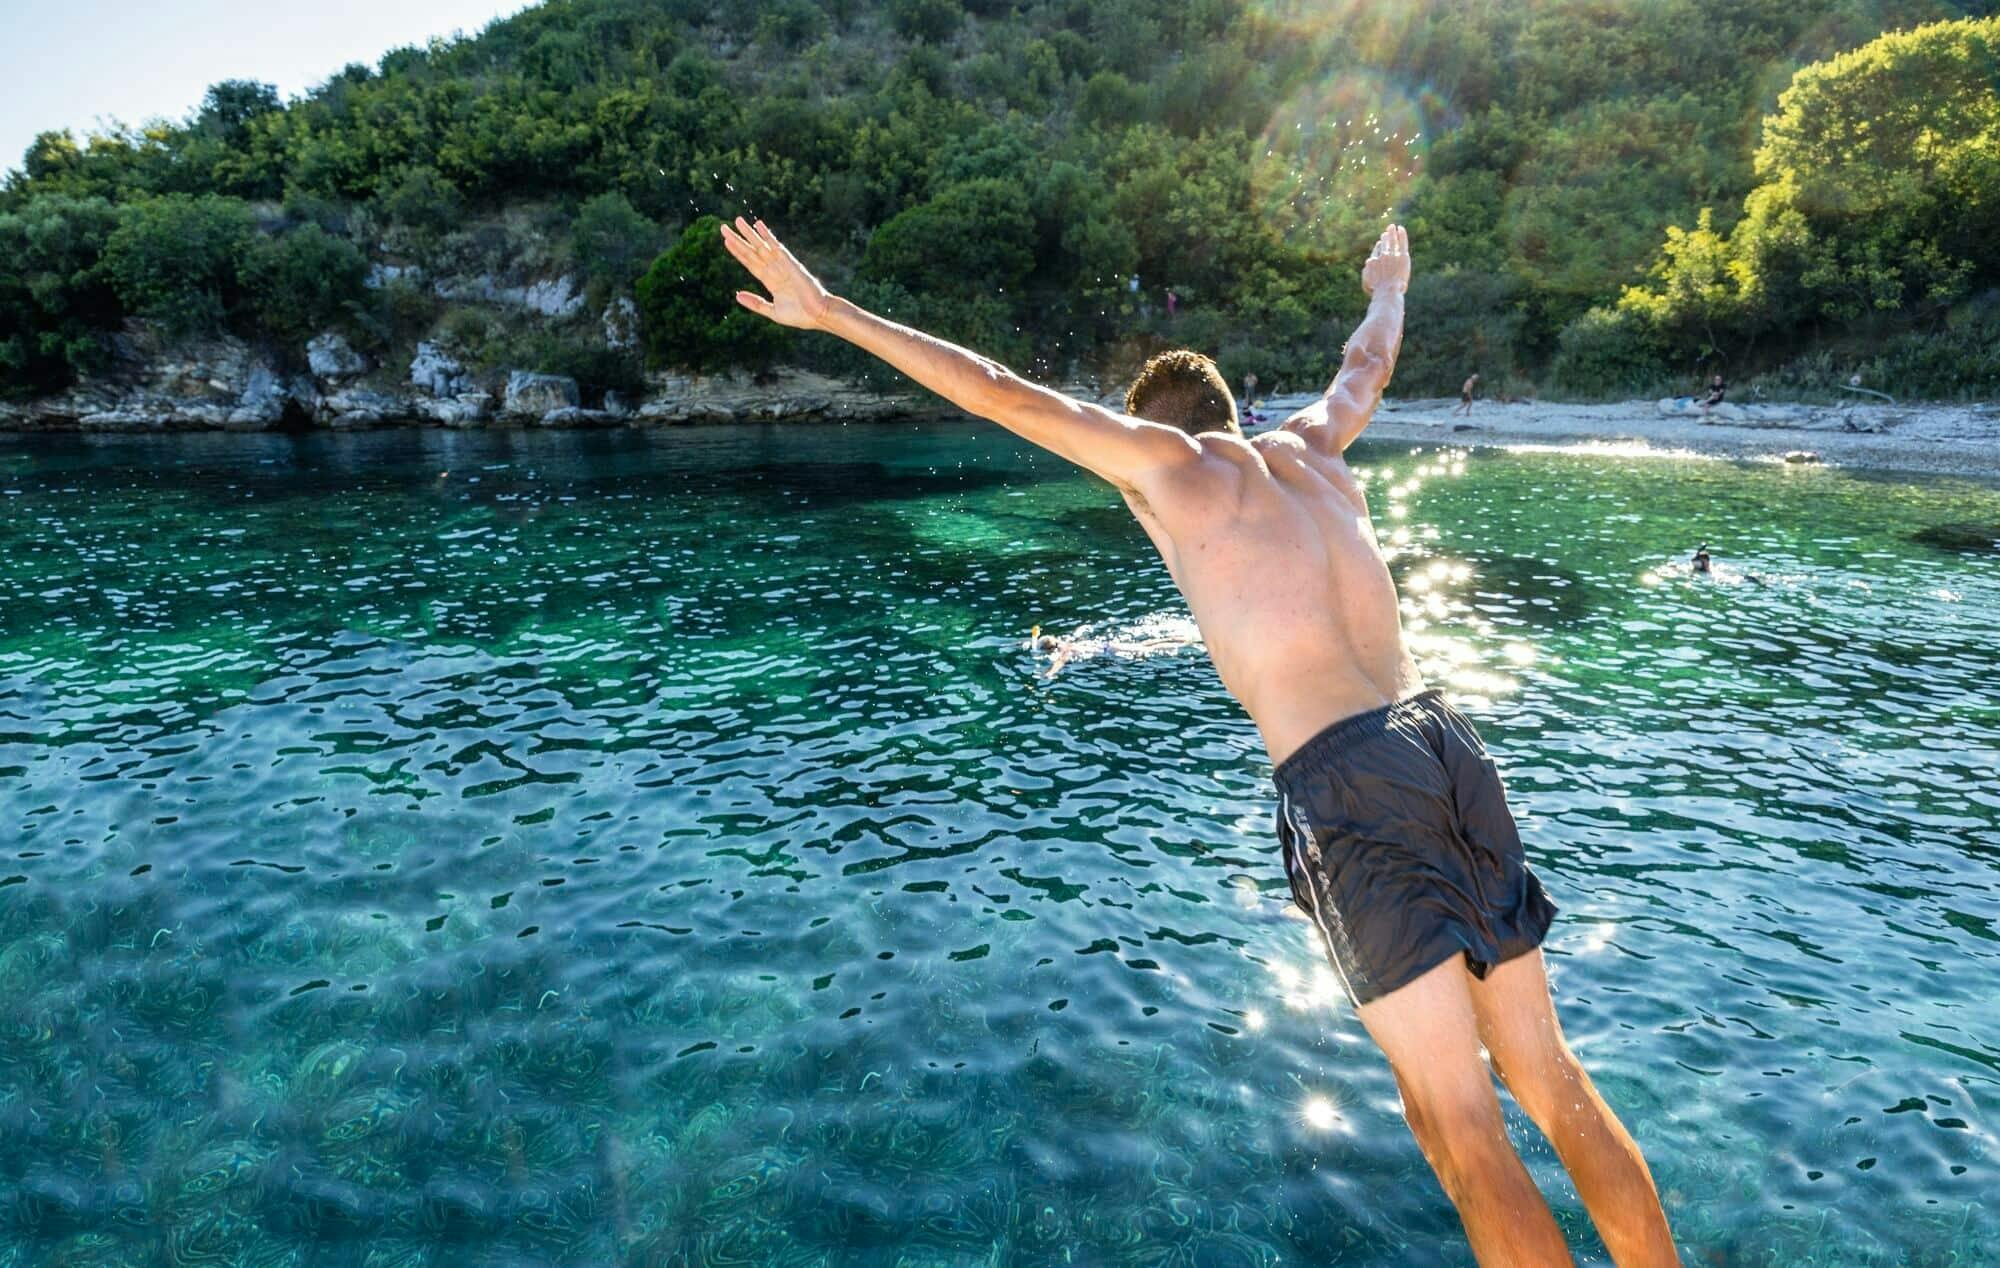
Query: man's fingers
point(756, 304)
point(748, 236)
point(742, 250)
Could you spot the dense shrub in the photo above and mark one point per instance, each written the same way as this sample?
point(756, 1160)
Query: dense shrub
point(303, 282)
point(688, 309)
point(613, 241)
point(178, 260)
point(56, 300)
point(1241, 153)
point(1607, 352)
point(933, 21)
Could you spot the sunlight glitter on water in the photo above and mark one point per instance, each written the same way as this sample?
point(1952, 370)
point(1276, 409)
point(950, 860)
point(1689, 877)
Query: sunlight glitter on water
point(660, 847)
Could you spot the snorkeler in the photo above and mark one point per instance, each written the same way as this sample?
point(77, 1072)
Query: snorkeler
point(1393, 824)
point(1064, 650)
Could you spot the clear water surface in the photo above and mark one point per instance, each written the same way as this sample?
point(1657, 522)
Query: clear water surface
point(658, 848)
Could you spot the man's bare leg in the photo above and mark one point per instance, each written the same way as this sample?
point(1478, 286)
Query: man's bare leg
point(1430, 1034)
point(1517, 1022)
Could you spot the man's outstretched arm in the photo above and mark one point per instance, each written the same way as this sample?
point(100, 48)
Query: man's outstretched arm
point(1123, 450)
point(1335, 419)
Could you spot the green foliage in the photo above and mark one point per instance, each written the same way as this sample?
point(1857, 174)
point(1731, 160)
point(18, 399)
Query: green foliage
point(977, 237)
point(231, 107)
point(177, 260)
point(613, 240)
point(1459, 321)
point(1000, 167)
point(303, 282)
point(1880, 198)
point(1608, 352)
point(790, 24)
point(688, 309)
point(55, 299)
point(932, 21)
point(423, 202)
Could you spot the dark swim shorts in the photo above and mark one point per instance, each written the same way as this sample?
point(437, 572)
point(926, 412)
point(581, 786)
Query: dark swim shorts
point(1398, 843)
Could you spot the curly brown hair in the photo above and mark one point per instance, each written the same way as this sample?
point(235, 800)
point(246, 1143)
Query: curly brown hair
point(1184, 389)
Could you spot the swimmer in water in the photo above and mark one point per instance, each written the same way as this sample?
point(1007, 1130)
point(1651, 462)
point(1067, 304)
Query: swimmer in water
point(1393, 827)
point(1064, 650)
point(1701, 560)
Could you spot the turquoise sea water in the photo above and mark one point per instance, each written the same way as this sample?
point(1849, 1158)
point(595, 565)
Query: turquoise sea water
point(658, 848)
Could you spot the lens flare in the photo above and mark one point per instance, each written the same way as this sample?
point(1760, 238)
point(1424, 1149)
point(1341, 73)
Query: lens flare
point(1341, 155)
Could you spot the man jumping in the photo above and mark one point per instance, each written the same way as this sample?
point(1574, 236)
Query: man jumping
point(1392, 822)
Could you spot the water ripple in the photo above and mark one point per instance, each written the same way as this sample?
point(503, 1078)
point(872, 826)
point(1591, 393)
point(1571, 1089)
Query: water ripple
point(661, 849)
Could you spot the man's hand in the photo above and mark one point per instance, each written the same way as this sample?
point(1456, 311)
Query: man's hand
point(1332, 422)
point(1389, 265)
point(1125, 451)
point(797, 298)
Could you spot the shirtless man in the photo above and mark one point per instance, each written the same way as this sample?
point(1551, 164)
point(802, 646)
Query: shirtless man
point(1393, 825)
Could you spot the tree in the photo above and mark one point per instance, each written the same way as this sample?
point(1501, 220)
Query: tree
point(56, 303)
point(230, 106)
point(928, 21)
point(422, 200)
point(177, 259)
point(688, 308)
point(302, 282)
point(974, 237)
point(612, 240)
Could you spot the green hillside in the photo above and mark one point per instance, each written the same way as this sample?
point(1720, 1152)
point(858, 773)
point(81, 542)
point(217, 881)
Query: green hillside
point(1574, 174)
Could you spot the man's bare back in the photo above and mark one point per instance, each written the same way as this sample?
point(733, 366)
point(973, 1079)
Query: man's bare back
point(1393, 826)
point(1270, 542)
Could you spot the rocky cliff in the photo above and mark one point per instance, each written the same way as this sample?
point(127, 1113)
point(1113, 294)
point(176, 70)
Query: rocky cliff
point(225, 384)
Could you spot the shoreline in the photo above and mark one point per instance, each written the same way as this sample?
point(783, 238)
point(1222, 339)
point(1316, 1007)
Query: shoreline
point(1922, 438)
point(1928, 439)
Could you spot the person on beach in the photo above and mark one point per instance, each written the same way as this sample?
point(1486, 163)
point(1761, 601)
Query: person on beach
point(1465, 392)
point(1392, 822)
point(1717, 389)
point(1249, 392)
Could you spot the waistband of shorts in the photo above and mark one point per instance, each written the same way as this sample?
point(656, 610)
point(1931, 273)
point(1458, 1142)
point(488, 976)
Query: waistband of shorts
point(1349, 731)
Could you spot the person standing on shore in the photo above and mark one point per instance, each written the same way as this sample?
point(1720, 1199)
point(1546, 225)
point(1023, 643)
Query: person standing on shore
point(1393, 825)
point(1465, 392)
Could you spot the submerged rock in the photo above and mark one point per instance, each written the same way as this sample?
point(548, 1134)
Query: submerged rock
point(1959, 537)
point(538, 395)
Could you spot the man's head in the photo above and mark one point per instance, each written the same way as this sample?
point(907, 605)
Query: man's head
point(1185, 390)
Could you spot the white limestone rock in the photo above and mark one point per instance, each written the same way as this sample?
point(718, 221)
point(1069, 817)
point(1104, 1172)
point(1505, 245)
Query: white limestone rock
point(437, 373)
point(538, 395)
point(621, 324)
point(332, 358)
point(571, 417)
